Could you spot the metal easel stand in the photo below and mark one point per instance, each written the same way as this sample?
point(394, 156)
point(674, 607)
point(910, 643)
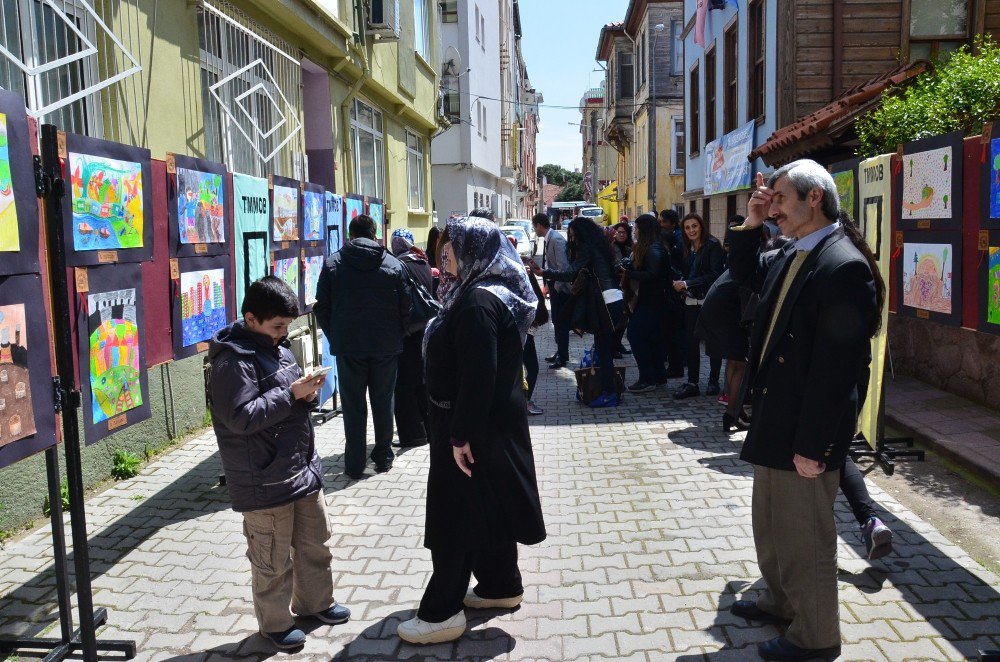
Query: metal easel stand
point(887, 449)
point(83, 641)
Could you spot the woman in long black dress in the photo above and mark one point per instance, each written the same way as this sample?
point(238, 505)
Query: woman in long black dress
point(482, 495)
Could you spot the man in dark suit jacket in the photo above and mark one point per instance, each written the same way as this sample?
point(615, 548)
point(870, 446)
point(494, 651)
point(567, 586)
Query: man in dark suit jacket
point(809, 350)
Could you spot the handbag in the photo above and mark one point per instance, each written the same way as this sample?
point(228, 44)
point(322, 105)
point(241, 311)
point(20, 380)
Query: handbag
point(423, 306)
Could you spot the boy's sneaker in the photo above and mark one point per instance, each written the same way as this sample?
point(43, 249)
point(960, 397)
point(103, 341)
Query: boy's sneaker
point(877, 537)
point(287, 640)
point(534, 409)
point(419, 631)
point(724, 399)
point(334, 615)
point(641, 387)
point(606, 400)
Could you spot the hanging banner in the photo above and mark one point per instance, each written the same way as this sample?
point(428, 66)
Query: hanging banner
point(252, 211)
point(875, 198)
point(726, 164)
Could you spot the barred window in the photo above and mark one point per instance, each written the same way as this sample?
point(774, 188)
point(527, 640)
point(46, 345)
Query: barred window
point(251, 94)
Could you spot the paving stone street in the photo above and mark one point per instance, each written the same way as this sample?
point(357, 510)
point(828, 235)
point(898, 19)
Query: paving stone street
point(648, 514)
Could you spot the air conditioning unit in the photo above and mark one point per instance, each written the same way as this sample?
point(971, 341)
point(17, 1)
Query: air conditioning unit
point(383, 19)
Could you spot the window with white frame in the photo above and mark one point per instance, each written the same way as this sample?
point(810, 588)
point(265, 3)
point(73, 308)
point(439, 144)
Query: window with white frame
point(482, 106)
point(35, 34)
point(368, 142)
point(676, 48)
point(479, 118)
point(482, 30)
point(422, 29)
point(414, 170)
point(251, 86)
point(677, 158)
point(479, 37)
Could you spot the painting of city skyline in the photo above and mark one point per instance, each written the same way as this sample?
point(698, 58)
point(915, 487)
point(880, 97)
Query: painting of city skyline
point(203, 305)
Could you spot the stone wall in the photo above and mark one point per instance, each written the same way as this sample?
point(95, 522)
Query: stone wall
point(960, 361)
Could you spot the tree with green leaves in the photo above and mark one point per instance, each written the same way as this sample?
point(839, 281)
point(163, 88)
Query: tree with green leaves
point(962, 93)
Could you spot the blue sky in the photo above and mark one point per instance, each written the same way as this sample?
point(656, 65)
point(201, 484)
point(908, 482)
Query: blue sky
point(559, 41)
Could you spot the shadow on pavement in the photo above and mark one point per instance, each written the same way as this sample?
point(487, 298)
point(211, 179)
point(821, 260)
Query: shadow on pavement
point(380, 642)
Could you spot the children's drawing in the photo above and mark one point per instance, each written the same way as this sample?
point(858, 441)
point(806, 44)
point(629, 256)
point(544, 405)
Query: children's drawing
point(286, 214)
point(107, 203)
point(927, 178)
point(203, 305)
point(114, 353)
point(313, 267)
point(377, 211)
point(993, 287)
point(288, 270)
point(353, 208)
point(200, 207)
point(995, 178)
point(927, 277)
point(9, 238)
point(313, 208)
point(17, 420)
point(845, 190)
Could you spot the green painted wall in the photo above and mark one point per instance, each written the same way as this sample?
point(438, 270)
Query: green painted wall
point(179, 401)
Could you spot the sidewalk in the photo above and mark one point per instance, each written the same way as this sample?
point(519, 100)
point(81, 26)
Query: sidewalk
point(956, 428)
point(648, 513)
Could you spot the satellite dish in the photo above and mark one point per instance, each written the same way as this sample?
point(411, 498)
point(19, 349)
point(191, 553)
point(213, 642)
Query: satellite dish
point(452, 62)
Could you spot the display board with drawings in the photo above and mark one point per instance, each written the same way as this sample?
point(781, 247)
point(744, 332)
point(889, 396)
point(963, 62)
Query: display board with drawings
point(286, 208)
point(930, 276)
point(845, 175)
point(989, 187)
point(111, 337)
point(989, 283)
point(930, 196)
point(107, 204)
point(286, 266)
point(334, 222)
point(18, 199)
point(196, 202)
point(251, 222)
point(202, 302)
point(27, 421)
point(313, 214)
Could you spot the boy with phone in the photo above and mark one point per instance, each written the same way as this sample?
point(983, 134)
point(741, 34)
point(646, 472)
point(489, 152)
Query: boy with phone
point(261, 404)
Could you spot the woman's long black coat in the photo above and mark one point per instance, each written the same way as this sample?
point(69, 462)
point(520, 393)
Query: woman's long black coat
point(475, 382)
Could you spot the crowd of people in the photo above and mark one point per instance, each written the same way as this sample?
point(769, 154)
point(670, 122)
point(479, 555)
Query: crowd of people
point(442, 340)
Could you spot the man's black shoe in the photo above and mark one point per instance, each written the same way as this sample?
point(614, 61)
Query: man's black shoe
point(675, 373)
point(749, 610)
point(556, 365)
point(551, 359)
point(687, 391)
point(415, 443)
point(383, 468)
point(780, 648)
point(358, 476)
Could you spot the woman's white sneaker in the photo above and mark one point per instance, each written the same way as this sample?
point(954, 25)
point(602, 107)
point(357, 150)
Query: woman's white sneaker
point(473, 601)
point(419, 631)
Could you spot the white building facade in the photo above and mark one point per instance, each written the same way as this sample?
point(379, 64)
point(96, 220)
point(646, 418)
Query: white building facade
point(476, 161)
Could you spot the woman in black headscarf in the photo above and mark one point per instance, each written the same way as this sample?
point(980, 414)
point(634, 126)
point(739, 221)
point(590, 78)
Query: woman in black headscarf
point(482, 495)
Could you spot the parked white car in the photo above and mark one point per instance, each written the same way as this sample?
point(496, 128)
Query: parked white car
point(524, 244)
point(524, 224)
point(596, 214)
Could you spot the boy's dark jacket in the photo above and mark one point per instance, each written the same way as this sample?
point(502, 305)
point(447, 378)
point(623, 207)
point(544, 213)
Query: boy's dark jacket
point(265, 435)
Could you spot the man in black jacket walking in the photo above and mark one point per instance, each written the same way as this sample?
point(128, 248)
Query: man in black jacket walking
point(362, 305)
point(809, 352)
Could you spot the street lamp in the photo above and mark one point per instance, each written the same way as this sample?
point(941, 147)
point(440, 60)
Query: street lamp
point(657, 29)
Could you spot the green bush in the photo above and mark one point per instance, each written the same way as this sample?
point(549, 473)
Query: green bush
point(125, 465)
point(64, 494)
point(960, 94)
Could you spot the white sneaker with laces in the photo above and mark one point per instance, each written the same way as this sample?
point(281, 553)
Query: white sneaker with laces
point(473, 601)
point(419, 631)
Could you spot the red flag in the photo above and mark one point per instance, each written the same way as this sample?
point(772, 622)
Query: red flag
point(699, 23)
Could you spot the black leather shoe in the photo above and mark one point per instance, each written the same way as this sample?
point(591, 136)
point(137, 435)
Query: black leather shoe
point(749, 610)
point(687, 391)
point(556, 365)
point(383, 468)
point(551, 359)
point(780, 648)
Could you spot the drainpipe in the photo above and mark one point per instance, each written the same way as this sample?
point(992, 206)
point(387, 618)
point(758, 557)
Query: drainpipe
point(345, 107)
